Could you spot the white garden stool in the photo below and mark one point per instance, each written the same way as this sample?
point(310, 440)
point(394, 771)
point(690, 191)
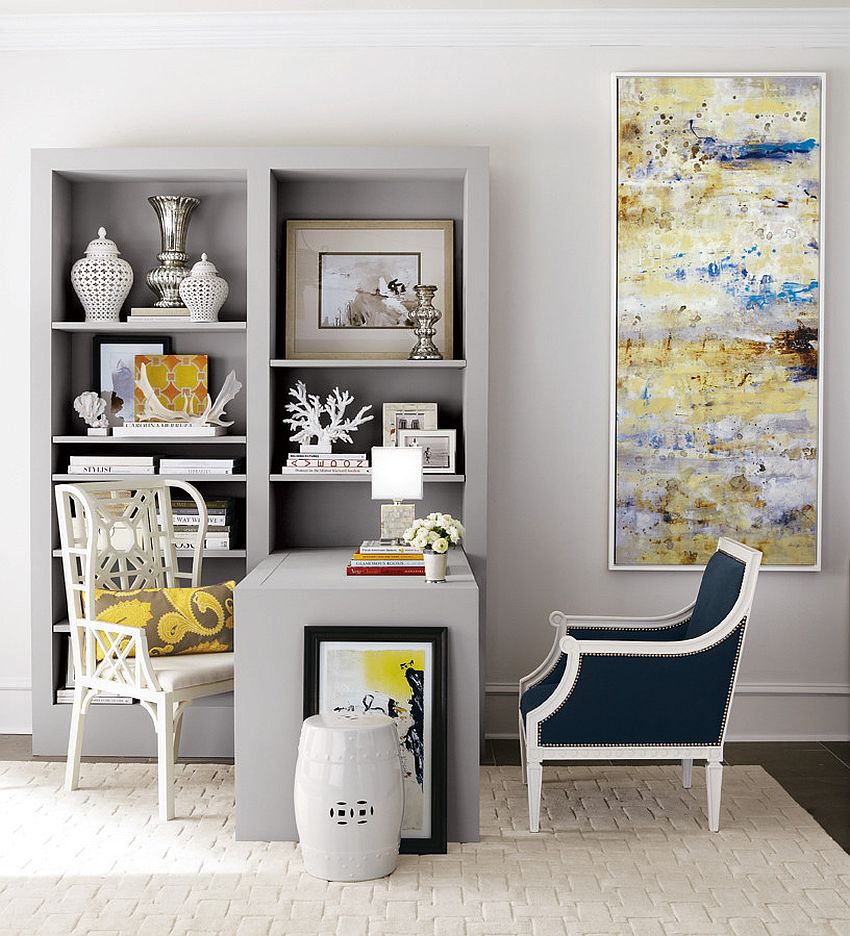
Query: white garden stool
point(349, 797)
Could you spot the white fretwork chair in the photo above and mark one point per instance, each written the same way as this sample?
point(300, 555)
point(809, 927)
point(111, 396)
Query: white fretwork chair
point(120, 535)
point(636, 688)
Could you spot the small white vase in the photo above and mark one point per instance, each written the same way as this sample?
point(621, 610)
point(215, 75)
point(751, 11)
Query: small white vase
point(203, 291)
point(102, 280)
point(435, 566)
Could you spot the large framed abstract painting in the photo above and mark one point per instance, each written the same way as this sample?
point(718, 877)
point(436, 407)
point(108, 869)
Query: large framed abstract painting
point(717, 305)
point(399, 672)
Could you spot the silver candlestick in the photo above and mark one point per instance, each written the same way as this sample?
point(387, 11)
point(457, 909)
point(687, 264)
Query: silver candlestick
point(426, 317)
point(174, 213)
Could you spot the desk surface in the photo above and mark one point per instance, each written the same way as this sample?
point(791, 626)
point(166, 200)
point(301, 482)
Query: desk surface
point(325, 568)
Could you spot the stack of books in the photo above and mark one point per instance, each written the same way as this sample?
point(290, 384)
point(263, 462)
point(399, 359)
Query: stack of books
point(301, 463)
point(220, 516)
point(199, 466)
point(111, 464)
point(153, 314)
point(382, 557)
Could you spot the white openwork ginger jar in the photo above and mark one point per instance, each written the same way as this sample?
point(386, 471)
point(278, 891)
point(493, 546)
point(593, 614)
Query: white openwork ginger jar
point(203, 291)
point(349, 797)
point(102, 280)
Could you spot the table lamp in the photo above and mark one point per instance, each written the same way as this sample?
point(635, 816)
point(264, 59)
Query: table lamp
point(396, 475)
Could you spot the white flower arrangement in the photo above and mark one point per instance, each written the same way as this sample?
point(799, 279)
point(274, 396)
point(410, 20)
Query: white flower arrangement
point(436, 533)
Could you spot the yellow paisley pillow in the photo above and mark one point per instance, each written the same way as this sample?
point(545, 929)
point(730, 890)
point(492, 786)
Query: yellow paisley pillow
point(177, 620)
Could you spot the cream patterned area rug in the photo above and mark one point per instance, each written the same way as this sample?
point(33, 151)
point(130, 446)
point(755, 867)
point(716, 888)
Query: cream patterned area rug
point(622, 850)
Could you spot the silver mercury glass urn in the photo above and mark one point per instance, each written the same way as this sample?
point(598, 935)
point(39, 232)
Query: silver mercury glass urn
point(174, 213)
point(426, 317)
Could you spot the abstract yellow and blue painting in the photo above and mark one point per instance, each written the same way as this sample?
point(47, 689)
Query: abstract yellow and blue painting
point(718, 317)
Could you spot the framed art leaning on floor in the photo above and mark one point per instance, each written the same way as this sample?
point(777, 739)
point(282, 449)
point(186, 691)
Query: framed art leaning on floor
point(399, 672)
point(717, 273)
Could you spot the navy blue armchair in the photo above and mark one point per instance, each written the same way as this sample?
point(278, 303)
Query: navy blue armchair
point(636, 688)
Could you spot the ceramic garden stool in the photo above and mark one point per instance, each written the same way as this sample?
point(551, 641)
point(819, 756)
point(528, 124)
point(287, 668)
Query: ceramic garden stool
point(348, 796)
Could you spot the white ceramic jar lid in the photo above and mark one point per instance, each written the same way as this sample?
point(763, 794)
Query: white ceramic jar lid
point(204, 267)
point(102, 246)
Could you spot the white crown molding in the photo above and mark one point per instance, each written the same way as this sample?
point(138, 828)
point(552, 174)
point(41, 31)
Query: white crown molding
point(716, 28)
point(745, 689)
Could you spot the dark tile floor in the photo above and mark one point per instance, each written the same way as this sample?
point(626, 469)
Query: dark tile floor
point(816, 774)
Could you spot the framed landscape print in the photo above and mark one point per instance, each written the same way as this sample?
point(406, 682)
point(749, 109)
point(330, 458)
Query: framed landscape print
point(717, 276)
point(113, 365)
point(349, 286)
point(400, 672)
point(438, 448)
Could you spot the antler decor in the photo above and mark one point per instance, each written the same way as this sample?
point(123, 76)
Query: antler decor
point(212, 415)
point(308, 409)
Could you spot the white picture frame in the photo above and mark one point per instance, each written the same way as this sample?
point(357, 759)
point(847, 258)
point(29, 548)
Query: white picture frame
point(438, 446)
point(399, 416)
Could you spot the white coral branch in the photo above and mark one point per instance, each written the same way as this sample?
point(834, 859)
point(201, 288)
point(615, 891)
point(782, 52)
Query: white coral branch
point(308, 409)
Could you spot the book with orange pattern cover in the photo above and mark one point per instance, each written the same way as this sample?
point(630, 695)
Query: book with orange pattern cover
point(181, 382)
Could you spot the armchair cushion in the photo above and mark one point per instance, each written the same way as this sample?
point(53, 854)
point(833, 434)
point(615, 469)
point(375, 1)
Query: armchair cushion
point(177, 620)
point(718, 592)
point(184, 672)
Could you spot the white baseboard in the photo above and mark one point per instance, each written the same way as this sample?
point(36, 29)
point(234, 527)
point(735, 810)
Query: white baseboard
point(760, 712)
point(15, 706)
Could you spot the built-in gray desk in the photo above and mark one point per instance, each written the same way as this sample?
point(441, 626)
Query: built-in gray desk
point(291, 590)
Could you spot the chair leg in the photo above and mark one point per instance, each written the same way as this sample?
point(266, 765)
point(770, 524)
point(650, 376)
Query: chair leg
point(522, 751)
point(535, 789)
point(687, 771)
point(178, 729)
point(75, 741)
point(713, 783)
point(165, 757)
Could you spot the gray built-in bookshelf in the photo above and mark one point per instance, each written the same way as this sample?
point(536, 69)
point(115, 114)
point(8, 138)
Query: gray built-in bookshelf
point(247, 196)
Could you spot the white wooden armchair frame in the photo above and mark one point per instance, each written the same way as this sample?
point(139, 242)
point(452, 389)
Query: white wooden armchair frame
point(534, 753)
point(117, 535)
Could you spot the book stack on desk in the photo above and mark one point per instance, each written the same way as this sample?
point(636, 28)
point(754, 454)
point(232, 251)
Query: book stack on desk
point(379, 557)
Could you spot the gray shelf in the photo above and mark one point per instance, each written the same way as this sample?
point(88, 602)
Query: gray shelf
point(116, 476)
point(247, 196)
point(208, 554)
point(149, 440)
point(340, 476)
point(126, 327)
point(359, 362)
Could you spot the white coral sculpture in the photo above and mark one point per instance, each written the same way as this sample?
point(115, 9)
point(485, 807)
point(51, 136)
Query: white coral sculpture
point(213, 412)
point(91, 408)
point(308, 409)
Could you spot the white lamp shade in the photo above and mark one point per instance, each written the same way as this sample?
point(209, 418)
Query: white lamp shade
point(396, 473)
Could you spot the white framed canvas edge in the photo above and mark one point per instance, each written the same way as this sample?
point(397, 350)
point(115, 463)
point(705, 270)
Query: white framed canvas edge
point(612, 363)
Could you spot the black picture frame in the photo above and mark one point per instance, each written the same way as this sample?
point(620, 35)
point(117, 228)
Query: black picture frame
point(99, 341)
point(437, 637)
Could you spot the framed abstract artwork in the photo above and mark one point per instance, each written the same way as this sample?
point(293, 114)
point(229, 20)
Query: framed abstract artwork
point(113, 360)
point(349, 286)
point(400, 672)
point(717, 318)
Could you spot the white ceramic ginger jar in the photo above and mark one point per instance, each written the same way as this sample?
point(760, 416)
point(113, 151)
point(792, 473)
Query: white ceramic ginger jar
point(203, 291)
point(102, 280)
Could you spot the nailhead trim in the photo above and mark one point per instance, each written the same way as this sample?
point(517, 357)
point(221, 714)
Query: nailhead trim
point(740, 631)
